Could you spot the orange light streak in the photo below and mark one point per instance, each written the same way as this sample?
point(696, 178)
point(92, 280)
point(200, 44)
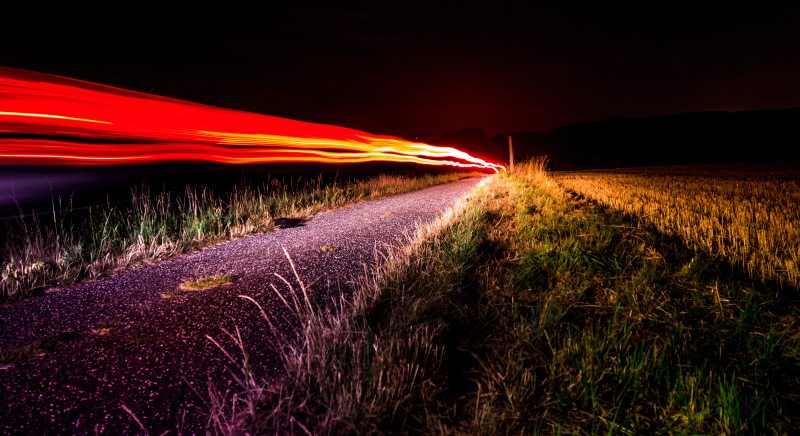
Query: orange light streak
point(57, 117)
point(52, 120)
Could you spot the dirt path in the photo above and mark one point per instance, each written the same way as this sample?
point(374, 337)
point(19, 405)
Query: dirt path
point(117, 342)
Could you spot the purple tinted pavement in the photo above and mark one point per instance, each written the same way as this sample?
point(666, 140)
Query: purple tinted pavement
point(117, 342)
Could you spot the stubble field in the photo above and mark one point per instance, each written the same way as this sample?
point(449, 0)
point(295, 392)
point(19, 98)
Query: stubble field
point(748, 215)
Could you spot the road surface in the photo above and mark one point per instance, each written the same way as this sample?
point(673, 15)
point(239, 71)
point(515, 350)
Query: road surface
point(117, 342)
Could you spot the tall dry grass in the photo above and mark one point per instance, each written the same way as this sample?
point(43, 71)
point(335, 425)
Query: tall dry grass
point(363, 365)
point(754, 223)
point(66, 246)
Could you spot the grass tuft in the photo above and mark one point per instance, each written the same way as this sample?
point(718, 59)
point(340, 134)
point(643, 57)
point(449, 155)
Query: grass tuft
point(37, 348)
point(205, 283)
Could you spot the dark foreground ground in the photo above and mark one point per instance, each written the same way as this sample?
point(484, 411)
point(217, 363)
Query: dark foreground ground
point(117, 342)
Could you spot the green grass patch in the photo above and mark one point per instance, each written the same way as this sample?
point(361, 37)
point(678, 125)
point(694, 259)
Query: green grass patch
point(535, 311)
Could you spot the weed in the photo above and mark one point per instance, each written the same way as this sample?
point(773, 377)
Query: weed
point(39, 347)
point(205, 283)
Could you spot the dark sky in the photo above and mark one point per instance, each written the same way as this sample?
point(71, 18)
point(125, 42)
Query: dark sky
point(419, 69)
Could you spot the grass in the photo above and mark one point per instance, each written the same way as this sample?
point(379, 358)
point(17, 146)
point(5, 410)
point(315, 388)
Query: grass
point(206, 282)
point(745, 216)
point(68, 246)
point(37, 348)
point(528, 309)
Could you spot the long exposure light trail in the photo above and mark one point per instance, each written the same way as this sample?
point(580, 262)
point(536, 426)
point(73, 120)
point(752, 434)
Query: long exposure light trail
point(52, 120)
point(57, 117)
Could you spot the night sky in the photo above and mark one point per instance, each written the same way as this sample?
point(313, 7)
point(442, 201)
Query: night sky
point(420, 69)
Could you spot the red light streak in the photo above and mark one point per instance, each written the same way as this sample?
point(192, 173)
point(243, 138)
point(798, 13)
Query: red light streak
point(52, 120)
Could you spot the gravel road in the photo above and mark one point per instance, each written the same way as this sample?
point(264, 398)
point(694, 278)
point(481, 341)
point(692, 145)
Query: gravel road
point(117, 342)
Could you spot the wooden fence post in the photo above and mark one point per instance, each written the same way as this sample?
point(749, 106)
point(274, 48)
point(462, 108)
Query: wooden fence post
point(510, 154)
